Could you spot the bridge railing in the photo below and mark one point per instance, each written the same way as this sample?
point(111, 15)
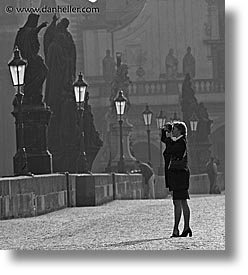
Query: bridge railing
point(160, 87)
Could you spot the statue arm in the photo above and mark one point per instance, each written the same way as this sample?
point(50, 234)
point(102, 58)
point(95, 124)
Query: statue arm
point(41, 26)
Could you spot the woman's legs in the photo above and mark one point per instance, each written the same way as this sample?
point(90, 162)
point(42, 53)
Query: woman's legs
point(186, 214)
point(177, 214)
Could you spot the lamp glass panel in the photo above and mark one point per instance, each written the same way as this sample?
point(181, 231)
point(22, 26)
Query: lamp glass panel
point(79, 93)
point(123, 103)
point(160, 122)
point(145, 116)
point(14, 75)
point(120, 107)
point(21, 70)
point(192, 126)
point(149, 119)
point(17, 73)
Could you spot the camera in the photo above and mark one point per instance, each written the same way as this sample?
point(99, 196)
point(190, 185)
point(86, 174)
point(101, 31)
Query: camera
point(167, 128)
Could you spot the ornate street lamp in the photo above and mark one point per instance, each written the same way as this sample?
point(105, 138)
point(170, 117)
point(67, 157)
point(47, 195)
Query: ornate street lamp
point(147, 116)
point(80, 91)
point(118, 58)
point(17, 67)
point(80, 87)
point(193, 123)
point(161, 120)
point(120, 103)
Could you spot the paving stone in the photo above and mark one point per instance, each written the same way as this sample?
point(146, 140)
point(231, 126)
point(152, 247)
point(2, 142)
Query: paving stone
point(119, 225)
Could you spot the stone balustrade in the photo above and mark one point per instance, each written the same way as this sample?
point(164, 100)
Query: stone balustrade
point(160, 87)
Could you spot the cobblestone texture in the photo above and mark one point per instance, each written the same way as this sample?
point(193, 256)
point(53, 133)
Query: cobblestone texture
point(119, 225)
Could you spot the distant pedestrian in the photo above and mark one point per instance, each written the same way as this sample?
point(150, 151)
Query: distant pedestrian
point(149, 176)
point(212, 172)
point(178, 175)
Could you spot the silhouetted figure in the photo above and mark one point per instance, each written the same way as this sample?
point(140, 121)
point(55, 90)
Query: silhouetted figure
point(64, 132)
point(92, 140)
point(108, 67)
point(171, 65)
point(190, 106)
point(178, 177)
point(148, 174)
point(189, 63)
point(121, 82)
point(36, 71)
point(212, 171)
point(60, 53)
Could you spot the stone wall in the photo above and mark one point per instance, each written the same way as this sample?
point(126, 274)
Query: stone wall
point(97, 189)
point(30, 196)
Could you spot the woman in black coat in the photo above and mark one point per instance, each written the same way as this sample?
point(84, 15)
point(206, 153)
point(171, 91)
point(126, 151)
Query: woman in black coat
point(178, 177)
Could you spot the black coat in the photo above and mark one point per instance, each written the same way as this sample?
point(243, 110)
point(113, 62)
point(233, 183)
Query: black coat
point(175, 179)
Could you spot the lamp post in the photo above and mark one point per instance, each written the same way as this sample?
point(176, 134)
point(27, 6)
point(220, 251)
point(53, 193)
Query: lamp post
point(120, 103)
point(118, 59)
point(193, 126)
point(80, 87)
point(80, 93)
point(147, 116)
point(17, 67)
point(161, 119)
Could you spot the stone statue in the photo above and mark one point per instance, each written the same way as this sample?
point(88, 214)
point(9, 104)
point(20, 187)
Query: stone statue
point(92, 140)
point(108, 67)
point(190, 106)
point(27, 42)
point(64, 132)
point(204, 124)
point(171, 65)
point(60, 55)
point(120, 82)
point(189, 63)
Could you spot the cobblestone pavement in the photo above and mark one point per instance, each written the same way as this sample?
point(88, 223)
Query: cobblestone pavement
point(119, 225)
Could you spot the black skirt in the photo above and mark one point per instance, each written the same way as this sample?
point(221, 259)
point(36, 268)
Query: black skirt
point(180, 195)
point(178, 180)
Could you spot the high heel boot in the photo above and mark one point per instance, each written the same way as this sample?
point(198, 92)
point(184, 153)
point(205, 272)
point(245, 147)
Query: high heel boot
point(186, 232)
point(175, 235)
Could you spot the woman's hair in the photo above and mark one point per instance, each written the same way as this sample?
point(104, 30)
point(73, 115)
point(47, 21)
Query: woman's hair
point(181, 126)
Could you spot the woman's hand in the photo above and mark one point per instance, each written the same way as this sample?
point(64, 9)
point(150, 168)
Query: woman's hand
point(168, 134)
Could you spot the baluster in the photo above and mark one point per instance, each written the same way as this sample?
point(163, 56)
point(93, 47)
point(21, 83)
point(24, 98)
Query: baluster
point(164, 90)
point(208, 86)
point(202, 86)
point(196, 86)
point(180, 84)
point(153, 86)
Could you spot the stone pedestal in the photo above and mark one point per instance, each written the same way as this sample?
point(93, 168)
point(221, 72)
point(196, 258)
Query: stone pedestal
point(198, 155)
point(35, 158)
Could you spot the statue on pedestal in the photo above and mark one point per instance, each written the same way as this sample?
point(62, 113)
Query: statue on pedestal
point(190, 106)
point(189, 63)
point(120, 82)
point(27, 42)
point(108, 67)
point(72, 137)
point(92, 140)
point(171, 65)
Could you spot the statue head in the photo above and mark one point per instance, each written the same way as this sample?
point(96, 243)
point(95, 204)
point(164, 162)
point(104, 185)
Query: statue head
point(189, 50)
point(63, 24)
point(108, 52)
point(171, 51)
point(32, 21)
